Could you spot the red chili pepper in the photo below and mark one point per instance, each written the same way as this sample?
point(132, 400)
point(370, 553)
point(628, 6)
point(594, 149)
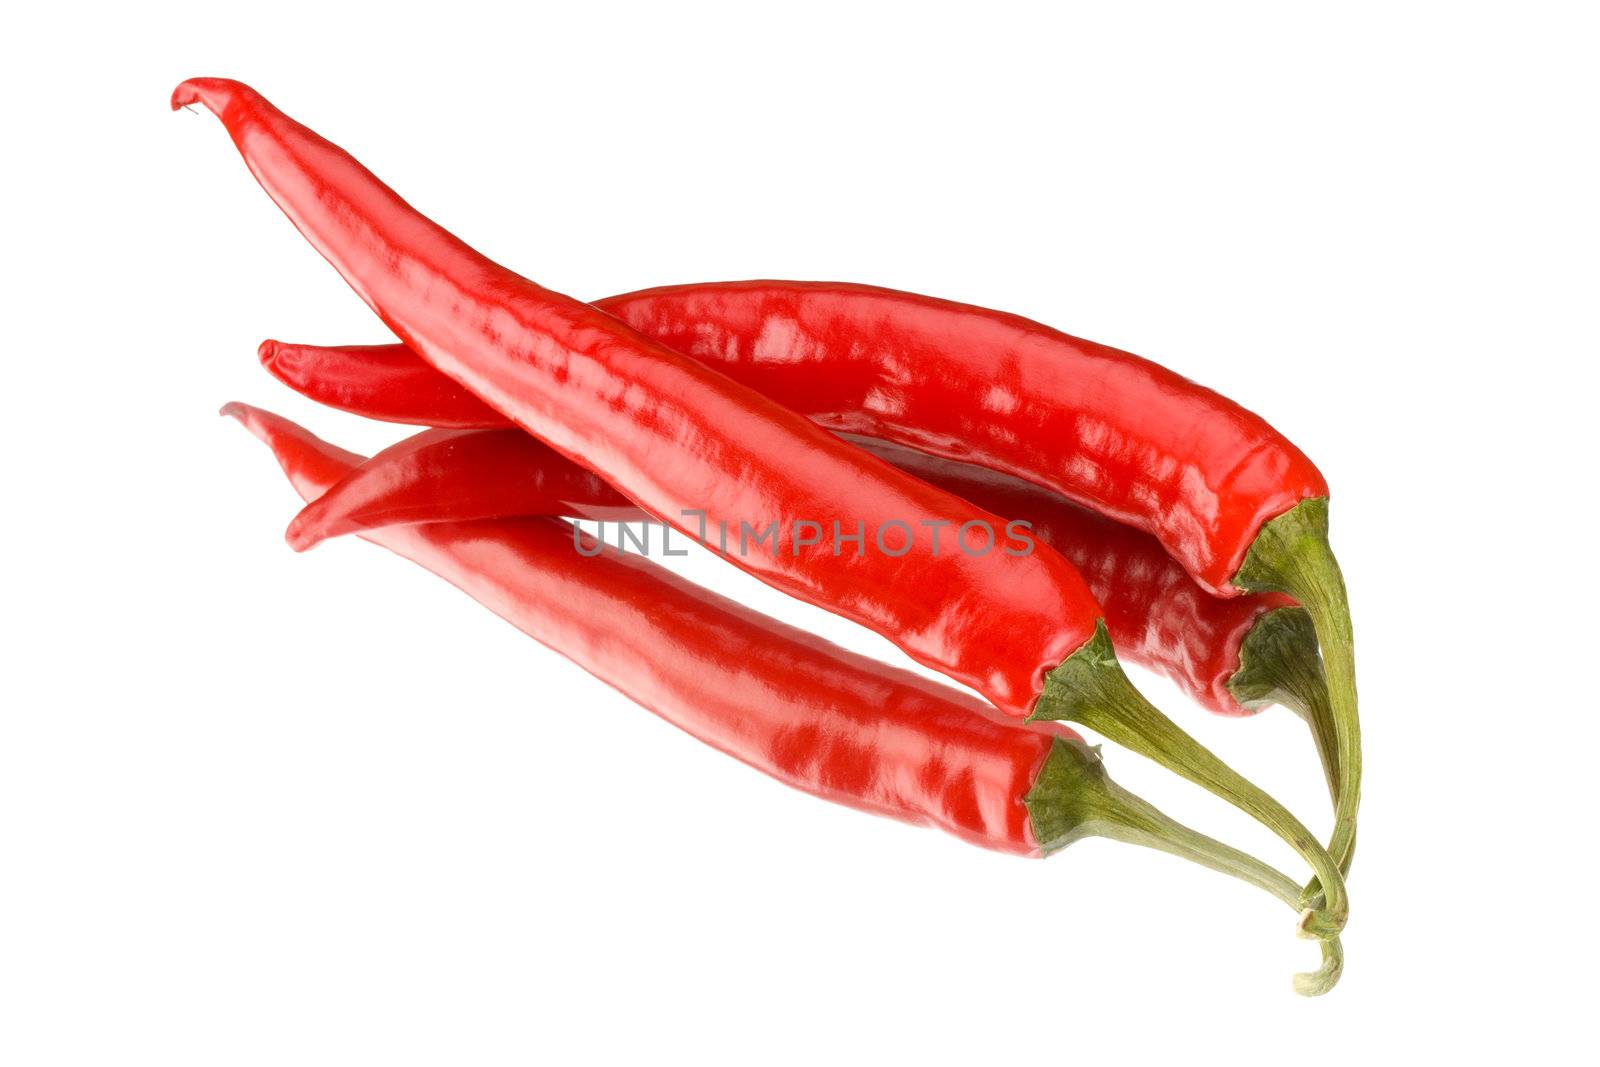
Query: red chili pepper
point(843, 727)
point(678, 438)
point(1227, 496)
point(1234, 656)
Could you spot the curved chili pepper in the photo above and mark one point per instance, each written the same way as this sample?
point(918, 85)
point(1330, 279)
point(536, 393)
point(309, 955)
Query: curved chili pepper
point(846, 728)
point(679, 438)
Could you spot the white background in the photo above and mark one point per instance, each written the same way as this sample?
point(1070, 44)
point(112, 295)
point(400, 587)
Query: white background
point(265, 808)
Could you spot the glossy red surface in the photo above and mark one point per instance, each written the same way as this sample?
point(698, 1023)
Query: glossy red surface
point(418, 394)
point(1112, 431)
point(451, 475)
point(806, 712)
point(388, 382)
point(1158, 616)
point(673, 434)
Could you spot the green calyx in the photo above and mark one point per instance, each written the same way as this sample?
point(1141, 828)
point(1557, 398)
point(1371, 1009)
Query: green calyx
point(1291, 555)
point(1090, 689)
point(1279, 664)
point(1073, 798)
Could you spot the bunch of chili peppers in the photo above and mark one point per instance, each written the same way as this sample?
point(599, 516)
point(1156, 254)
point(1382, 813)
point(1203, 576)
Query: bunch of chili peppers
point(823, 437)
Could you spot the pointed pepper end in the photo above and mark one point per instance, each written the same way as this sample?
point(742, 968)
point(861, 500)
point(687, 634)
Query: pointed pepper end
point(213, 94)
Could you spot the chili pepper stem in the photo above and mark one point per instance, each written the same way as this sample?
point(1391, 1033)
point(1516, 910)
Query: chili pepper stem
point(1278, 664)
point(1291, 555)
point(1073, 798)
point(1090, 689)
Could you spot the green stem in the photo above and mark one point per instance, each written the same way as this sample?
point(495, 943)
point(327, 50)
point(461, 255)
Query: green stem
point(1073, 798)
point(1278, 664)
point(1291, 555)
point(1090, 689)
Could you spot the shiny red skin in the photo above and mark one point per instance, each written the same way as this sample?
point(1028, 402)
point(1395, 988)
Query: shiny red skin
point(673, 434)
point(388, 382)
point(452, 475)
point(1112, 431)
point(806, 712)
point(417, 393)
point(1108, 429)
point(1157, 615)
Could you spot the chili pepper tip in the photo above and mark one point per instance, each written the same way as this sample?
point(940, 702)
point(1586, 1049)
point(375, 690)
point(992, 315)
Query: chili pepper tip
point(300, 535)
point(211, 93)
point(252, 418)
